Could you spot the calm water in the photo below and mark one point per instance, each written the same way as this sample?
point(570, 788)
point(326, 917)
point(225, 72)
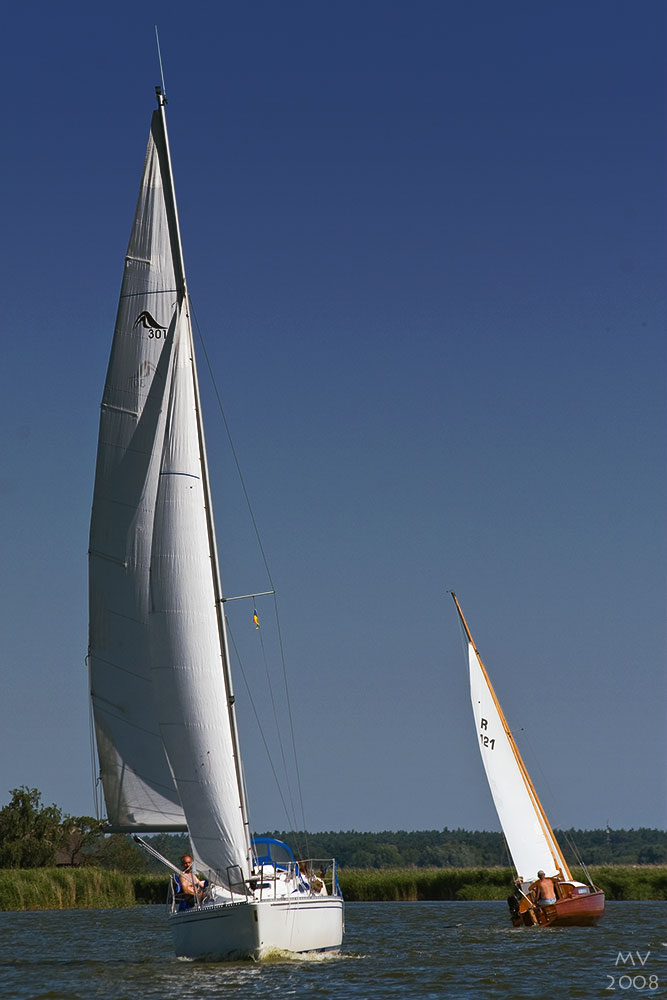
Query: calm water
point(398, 951)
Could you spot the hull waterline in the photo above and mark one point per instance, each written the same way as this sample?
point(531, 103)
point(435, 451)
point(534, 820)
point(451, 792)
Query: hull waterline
point(233, 931)
point(575, 911)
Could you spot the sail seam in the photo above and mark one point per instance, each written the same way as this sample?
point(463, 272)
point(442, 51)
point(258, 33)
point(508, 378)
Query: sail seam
point(128, 722)
point(189, 475)
point(150, 291)
point(96, 554)
point(118, 409)
point(116, 666)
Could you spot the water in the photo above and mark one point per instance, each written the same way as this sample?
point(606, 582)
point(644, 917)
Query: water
point(392, 951)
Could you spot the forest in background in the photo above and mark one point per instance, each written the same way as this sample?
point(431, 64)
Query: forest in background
point(453, 848)
point(37, 836)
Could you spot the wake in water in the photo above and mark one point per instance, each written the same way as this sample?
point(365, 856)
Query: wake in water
point(277, 955)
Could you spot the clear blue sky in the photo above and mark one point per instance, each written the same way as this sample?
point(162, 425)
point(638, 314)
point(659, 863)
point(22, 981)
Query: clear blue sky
point(425, 244)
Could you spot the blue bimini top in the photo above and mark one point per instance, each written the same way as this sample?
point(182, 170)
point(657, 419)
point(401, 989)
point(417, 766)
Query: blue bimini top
point(269, 851)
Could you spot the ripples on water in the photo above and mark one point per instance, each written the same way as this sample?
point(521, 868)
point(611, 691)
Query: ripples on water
point(392, 951)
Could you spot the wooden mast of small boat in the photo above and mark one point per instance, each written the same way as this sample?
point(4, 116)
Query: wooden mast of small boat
point(181, 286)
point(558, 858)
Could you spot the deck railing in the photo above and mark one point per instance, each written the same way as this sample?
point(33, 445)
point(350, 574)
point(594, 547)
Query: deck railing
point(312, 876)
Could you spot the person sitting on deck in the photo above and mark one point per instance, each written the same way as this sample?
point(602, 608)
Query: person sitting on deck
point(310, 881)
point(192, 887)
point(545, 893)
point(514, 900)
point(304, 876)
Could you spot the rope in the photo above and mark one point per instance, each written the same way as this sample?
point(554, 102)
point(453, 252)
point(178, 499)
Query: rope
point(290, 819)
point(275, 717)
point(270, 578)
point(95, 781)
point(291, 725)
point(578, 858)
point(231, 444)
point(570, 842)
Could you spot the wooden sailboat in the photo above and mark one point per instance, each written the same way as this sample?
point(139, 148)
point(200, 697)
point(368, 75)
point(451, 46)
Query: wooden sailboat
point(530, 839)
point(160, 677)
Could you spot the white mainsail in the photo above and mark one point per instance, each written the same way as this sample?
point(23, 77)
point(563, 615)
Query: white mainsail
point(529, 836)
point(138, 787)
point(158, 662)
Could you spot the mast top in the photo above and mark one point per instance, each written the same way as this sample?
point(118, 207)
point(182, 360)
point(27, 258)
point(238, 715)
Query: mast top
point(463, 621)
point(161, 94)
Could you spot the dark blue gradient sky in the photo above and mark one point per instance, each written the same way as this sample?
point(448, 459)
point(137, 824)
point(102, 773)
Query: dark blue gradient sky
point(425, 245)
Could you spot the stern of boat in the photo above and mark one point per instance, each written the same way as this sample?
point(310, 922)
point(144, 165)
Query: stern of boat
point(296, 909)
point(577, 905)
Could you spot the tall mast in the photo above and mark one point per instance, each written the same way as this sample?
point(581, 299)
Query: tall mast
point(554, 847)
point(181, 287)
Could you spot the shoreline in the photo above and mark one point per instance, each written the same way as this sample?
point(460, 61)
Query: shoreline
point(96, 888)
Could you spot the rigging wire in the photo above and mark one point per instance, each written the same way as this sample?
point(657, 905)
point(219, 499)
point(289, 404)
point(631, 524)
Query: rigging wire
point(290, 819)
point(275, 717)
point(507, 857)
point(253, 520)
point(94, 777)
point(570, 842)
point(291, 724)
point(231, 443)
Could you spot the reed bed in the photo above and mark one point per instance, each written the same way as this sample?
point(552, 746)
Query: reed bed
point(632, 881)
point(361, 884)
point(64, 889)
point(95, 888)
point(365, 885)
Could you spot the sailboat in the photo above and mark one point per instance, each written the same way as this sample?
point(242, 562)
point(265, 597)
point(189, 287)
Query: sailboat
point(160, 677)
point(530, 839)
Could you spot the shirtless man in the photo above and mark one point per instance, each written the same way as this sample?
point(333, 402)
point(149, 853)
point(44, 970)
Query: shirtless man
point(545, 893)
point(190, 883)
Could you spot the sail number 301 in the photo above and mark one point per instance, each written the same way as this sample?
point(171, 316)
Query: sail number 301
point(488, 742)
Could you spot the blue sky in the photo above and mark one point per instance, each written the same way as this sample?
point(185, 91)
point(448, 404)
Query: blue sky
point(425, 245)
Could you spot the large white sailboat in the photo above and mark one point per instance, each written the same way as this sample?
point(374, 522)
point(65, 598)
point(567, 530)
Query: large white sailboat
point(160, 678)
point(530, 839)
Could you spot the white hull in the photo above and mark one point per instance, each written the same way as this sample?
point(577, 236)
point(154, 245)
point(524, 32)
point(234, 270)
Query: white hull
point(229, 931)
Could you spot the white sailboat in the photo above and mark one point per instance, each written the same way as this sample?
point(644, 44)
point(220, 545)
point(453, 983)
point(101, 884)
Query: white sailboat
point(530, 839)
point(160, 679)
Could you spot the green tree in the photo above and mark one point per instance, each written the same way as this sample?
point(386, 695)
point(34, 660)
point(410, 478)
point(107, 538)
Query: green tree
point(117, 853)
point(30, 834)
point(82, 838)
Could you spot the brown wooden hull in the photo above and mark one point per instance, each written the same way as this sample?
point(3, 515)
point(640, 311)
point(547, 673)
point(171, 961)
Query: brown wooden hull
point(574, 911)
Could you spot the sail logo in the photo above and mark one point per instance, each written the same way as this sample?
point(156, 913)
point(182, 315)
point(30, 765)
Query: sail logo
point(144, 374)
point(155, 330)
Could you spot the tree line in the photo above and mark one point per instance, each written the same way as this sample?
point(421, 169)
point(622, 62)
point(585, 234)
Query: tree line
point(37, 836)
point(473, 849)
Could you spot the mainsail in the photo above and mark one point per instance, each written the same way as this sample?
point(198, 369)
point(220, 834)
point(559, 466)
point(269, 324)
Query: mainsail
point(529, 837)
point(160, 686)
